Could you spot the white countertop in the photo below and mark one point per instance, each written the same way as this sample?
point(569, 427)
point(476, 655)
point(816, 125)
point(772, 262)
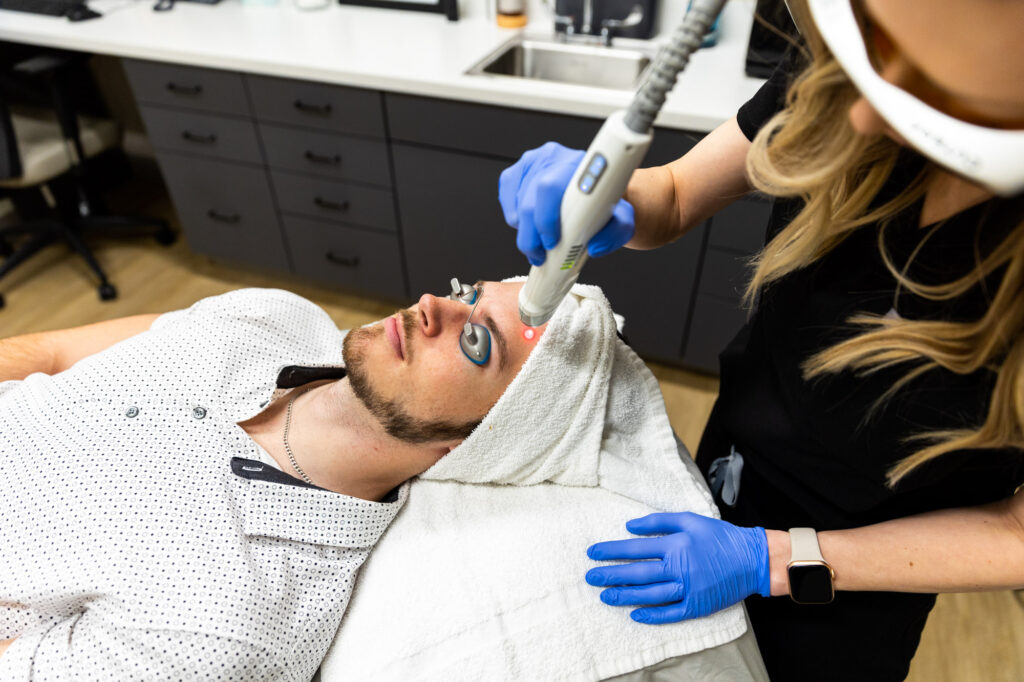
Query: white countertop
point(400, 51)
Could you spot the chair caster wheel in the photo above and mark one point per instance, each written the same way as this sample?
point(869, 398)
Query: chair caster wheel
point(107, 292)
point(166, 237)
point(1, 300)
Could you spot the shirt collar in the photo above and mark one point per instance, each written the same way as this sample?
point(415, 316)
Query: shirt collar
point(303, 513)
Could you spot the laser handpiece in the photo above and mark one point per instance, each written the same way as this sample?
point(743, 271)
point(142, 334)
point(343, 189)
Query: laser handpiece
point(601, 178)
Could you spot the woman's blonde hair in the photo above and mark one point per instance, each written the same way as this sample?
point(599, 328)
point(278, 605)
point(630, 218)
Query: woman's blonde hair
point(810, 150)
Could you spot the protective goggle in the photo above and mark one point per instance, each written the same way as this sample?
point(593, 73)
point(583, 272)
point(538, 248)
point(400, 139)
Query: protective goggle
point(475, 339)
point(989, 156)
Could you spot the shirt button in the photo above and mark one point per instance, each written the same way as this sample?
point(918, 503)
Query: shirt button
point(131, 412)
point(198, 412)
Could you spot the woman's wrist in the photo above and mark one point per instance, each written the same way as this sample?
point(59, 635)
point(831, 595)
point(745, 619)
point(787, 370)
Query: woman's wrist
point(778, 557)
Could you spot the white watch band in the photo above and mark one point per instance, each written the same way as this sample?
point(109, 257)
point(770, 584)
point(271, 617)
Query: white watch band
point(803, 545)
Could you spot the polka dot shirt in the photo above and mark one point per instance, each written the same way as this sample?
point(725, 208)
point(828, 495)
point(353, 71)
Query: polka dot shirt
point(143, 537)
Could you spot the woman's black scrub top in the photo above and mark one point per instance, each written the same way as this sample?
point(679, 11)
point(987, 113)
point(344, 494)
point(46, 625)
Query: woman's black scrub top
point(811, 456)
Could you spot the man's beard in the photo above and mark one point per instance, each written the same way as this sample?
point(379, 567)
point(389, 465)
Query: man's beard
point(395, 420)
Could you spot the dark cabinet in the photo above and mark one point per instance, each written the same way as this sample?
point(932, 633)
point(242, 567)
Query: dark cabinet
point(735, 234)
point(448, 157)
point(452, 227)
point(392, 195)
point(451, 222)
point(316, 105)
point(226, 210)
point(189, 87)
point(363, 260)
point(482, 129)
point(653, 290)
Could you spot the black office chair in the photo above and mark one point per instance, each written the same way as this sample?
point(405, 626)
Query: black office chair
point(40, 145)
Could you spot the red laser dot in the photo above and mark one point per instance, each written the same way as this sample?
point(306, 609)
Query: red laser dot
point(529, 333)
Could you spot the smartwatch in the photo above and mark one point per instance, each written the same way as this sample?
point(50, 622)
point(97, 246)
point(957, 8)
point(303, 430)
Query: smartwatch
point(810, 576)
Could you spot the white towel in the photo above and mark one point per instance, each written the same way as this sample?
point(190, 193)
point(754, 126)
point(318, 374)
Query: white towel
point(478, 581)
point(547, 424)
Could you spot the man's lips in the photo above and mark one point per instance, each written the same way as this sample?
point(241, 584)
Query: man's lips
point(393, 330)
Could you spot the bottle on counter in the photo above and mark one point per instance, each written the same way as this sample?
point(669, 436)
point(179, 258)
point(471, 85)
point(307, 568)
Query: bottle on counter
point(511, 13)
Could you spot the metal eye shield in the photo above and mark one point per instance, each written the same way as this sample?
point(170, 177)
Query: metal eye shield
point(475, 340)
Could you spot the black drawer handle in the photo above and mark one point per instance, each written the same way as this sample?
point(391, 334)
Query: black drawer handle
point(331, 205)
point(199, 139)
point(324, 159)
point(184, 89)
point(231, 218)
point(347, 262)
point(321, 109)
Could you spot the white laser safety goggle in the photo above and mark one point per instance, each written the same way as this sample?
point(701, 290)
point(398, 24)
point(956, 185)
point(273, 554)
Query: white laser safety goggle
point(991, 157)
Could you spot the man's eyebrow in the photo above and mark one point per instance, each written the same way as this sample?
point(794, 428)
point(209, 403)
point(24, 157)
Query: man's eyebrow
point(502, 343)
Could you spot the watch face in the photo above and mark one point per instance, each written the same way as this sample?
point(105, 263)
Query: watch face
point(810, 583)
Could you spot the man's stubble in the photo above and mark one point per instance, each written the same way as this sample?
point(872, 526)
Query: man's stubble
point(396, 421)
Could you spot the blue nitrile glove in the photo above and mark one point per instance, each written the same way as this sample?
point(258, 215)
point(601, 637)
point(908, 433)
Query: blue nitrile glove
point(700, 565)
point(530, 192)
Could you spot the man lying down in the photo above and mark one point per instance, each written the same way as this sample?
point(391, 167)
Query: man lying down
point(192, 495)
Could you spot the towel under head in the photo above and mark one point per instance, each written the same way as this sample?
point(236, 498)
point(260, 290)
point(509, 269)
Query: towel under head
point(547, 425)
point(487, 580)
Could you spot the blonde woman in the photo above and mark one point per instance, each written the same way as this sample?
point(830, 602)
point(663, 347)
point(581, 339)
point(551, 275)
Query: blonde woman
point(876, 394)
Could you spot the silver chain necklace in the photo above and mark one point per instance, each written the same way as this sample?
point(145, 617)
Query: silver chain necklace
point(287, 447)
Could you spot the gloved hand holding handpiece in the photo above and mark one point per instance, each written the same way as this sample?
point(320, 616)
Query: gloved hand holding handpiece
point(530, 192)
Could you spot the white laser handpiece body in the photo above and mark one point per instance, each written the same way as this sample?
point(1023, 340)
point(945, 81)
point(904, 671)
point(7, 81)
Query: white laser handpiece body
point(589, 200)
point(601, 178)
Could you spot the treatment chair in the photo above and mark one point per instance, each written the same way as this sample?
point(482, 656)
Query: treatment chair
point(39, 146)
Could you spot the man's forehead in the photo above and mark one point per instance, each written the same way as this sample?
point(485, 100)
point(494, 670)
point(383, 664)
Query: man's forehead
point(489, 283)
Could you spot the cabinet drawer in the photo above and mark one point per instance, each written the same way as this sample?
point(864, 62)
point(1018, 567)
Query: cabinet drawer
point(483, 129)
point(184, 86)
point(741, 225)
point(332, 156)
point(317, 105)
point(725, 274)
point(332, 200)
point(225, 210)
point(232, 139)
point(508, 132)
point(349, 257)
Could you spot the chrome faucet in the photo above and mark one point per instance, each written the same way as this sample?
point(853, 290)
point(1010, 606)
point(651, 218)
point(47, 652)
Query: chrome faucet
point(635, 16)
point(565, 24)
point(588, 17)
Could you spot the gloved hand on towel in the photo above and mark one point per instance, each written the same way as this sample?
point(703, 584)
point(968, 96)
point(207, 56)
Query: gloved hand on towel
point(696, 566)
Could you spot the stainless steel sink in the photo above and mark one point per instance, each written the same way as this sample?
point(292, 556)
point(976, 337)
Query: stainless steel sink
point(598, 66)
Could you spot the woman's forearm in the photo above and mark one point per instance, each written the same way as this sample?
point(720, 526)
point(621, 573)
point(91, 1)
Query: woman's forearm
point(651, 191)
point(4, 643)
point(952, 550)
point(670, 200)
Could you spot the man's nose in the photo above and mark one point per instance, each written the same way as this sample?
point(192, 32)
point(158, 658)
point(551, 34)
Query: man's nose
point(437, 314)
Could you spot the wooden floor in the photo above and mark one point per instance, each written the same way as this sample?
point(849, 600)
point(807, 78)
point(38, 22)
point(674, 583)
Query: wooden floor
point(969, 637)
